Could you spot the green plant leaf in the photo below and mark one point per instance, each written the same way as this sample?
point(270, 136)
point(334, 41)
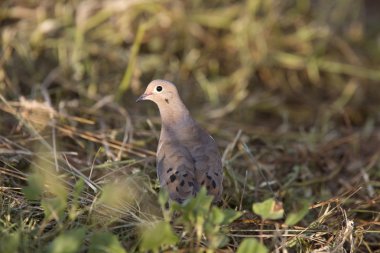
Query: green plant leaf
point(35, 187)
point(294, 217)
point(68, 242)
point(75, 209)
point(157, 236)
point(230, 215)
point(9, 242)
point(252, 245)
point(105, 242)
point(53, 207)
point(220, 216)
point(78, 188)
point(268, 209)
point(201, 203)
point(163, 198)
point(217, 216)
point(195, 209)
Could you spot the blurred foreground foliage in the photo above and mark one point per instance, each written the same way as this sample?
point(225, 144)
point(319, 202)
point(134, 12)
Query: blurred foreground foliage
point(289, 89)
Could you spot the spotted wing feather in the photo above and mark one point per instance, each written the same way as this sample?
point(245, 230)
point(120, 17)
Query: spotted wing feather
point(208, 165)
point(176, 171)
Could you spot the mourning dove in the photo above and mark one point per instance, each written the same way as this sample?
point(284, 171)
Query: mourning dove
point(187, 156)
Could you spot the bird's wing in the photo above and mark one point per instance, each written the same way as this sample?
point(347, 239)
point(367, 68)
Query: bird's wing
point(208, 163)
point(176, 171)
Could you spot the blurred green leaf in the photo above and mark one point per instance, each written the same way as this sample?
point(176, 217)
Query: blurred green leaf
point(9, 242)
point(125, 82)
point(251, 245)
point(157, 236)
point(68, 242)
point(53, 207)
point(268, 209)
point(195, 210)
point(217, 215)
point(117, 193)
point(75, 207)
point(294, 217)
point(46, 183)
point(55, 186)
point(105, 242)
point(200, 216)
point(35, 187)
point(78, 188)
point(218, 17)
point(230, 215)
point(223, 216)
point(288, 60)
point(163, 198)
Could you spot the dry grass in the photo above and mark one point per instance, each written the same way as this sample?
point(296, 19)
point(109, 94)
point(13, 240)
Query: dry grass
point(289, 89)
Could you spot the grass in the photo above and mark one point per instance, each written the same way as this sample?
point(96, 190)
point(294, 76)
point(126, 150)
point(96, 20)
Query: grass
point(289, 89)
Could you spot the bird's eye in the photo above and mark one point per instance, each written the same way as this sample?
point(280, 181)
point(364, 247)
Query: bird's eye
point(159, 88)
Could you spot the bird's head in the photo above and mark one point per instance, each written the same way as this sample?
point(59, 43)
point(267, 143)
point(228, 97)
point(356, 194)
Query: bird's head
point(160, 91)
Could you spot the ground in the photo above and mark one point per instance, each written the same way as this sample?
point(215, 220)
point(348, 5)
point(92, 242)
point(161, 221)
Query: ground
point(288, 89)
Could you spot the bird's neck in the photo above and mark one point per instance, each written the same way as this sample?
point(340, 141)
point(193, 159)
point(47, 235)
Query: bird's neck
point(175, 117)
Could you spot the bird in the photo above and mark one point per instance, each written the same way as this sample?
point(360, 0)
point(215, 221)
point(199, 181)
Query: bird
point(187, 157)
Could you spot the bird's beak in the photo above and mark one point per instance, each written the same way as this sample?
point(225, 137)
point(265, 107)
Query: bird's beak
point(143, 97)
